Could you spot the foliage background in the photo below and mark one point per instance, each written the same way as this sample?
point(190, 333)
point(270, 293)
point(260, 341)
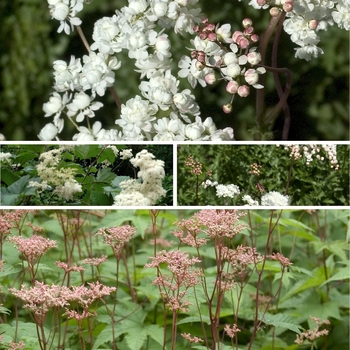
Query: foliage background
point(319, 100)
point(316, 184)
point(316, 284)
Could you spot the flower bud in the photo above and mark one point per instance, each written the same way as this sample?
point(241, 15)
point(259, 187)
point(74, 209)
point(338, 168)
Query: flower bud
point(48, 132)
point(313, 24)
point(233, 70)
point(227, 108)
point(254, 58)
point(251, 76)
point(261, 2)
point(254, 38)
point(60, 11)
point(212, 37)
point(248, 31)
point(210, 78)
point(288, 6)
point(242, 42)
point(199, 66)
point(247, 22)
point(274, 11)
point(232, 87)
point(235, 35)
point(243, 91)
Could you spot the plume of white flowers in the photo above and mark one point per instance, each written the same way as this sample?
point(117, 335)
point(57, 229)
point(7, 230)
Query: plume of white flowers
point(149, 189)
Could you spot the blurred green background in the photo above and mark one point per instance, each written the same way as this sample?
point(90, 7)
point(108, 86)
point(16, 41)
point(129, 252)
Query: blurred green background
point(29, 43)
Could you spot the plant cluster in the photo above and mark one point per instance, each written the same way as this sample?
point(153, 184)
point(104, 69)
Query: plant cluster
point(267, 175)
point(83, 175)
point(213, 279)
point(162, 110)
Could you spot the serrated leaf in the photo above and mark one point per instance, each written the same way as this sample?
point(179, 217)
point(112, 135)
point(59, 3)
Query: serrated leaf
point(156, 333)
point(105, 175)
point(282, 321)
point(86, 151)
point(4, 310)
point(136, 337)
point(336, 247)
point(105, 336)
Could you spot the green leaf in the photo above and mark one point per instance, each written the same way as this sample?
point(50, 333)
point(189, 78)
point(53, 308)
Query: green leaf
point(105, 175)
point(99, 198)
point(155, 332)
point(191, 319)
point(337, 247)
point(136, 337)
point(318, 277)
point(342, 274)
point(105, 336)
point(8, 176)
point(4, 310)
point(86, 151)
point(107, 154)
point(282, 321)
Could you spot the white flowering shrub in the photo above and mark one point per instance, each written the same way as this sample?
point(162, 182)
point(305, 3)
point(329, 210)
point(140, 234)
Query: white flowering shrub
point(163, 111)
point(84, 175)
point(264, 175)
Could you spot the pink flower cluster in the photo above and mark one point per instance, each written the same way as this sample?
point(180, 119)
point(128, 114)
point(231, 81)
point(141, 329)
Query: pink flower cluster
point(220, 223)
point(312, 334)
point(182, 275)
point(117, 237)
point(41, 297)
point(33, 247)
point(11, 219)
point(196, 166)
point(231, 331)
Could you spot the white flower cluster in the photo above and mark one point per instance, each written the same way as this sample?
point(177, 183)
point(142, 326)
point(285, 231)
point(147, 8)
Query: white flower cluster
point(270, 199)
point(51, 175)
point(6, 157)
point(309, 152)
point(65, 10)
point(274, 198)
point(305, 17)
point(150, 189)
point(230, 190)
point(164, 112)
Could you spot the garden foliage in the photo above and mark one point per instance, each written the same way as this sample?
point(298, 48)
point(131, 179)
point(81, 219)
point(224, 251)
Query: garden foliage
point(177, 279)
point(300, 175)
point(85, 175)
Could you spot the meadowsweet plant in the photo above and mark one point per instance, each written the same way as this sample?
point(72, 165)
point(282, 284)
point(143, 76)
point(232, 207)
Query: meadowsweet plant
point(176, 279)
point(99, 175)
point(232, 53)
point(265, 175)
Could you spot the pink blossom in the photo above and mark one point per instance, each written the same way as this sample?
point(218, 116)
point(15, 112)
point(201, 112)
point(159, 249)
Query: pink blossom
point(231, 331)
point(282, 259)
point(95, 261)
point(33, 247)
point(117, 237)
point(64, 266)
point(220, 223)
point(192, 339)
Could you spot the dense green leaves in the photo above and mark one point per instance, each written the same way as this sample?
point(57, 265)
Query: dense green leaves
point(96, 168)
point(313, 184)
